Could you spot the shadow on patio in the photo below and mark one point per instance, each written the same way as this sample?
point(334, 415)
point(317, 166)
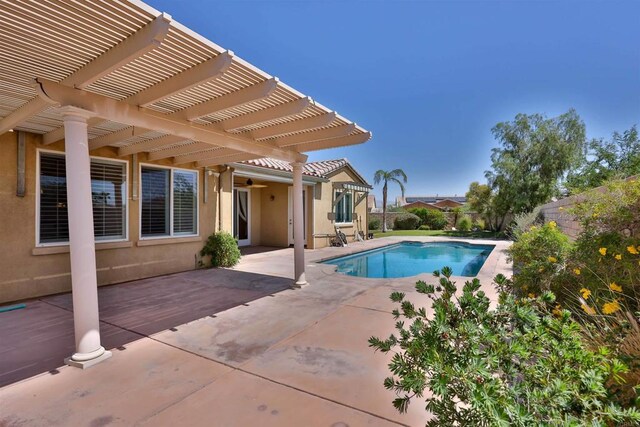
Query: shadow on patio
point(37, 339)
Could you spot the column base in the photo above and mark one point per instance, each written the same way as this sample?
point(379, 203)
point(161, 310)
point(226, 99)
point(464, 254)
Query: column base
point(297, 284)
point(84, 364)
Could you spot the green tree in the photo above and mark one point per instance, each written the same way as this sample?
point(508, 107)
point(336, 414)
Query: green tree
point(480, 199)
point(399, 177)
point(606, 160)
point(534, 157)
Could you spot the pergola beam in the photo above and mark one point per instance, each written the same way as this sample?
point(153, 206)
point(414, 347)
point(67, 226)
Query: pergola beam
point(266, 115)
point(358, 138)
point(202, 155)
point(221, 160)
point(318, 135)
point(122, 112)
point(295, 126)
point(181, 149)
point(240, 97)
point(146, 39)
point(22, 113)
point(139, 43)
point(58, 134)
point(150, 144)
point(194, 76)
point(117, 136)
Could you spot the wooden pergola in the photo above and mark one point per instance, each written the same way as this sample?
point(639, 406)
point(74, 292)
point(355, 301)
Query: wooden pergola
point(121, 74)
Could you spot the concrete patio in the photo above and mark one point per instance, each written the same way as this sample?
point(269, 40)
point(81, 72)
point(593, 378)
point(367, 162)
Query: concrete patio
point(295, 357)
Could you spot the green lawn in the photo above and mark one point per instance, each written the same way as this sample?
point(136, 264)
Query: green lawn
point(446, 233)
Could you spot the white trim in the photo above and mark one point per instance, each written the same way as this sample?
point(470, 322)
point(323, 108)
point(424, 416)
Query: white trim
point(171, 234)
point(313, 214)
point(343, 224)
point(126, 199)
point(272, 177)
point(247, 241)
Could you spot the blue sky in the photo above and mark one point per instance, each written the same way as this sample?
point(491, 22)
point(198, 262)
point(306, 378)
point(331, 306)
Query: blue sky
point(430, 78)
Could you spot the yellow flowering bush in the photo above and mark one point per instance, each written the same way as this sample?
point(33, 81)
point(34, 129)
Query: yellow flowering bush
point(603, 278)
point(538, 257)
point(597, 277)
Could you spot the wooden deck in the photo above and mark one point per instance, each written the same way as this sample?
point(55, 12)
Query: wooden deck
point(37, 338)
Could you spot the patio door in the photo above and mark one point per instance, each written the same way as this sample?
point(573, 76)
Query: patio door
point(304, 212)
point(242, 216)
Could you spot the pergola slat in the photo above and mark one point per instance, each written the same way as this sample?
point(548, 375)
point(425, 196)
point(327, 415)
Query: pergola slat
point(295, 126)
point(166, 75)
point(118, 111)
point(315, 135)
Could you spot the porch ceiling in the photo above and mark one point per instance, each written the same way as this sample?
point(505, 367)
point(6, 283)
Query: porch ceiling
point(155, 86)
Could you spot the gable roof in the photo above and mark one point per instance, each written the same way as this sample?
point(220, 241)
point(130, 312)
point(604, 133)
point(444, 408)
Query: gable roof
point(319, 169)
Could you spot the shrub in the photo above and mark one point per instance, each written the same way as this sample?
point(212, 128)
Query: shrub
point(458, 211)
point(223, 250)
point(464, 223)
point(424, 227)
point(523, 222)
point(606, 258)
point(602, 281)
point(374, 224)
point(614, 210)
point(538, 258)
point(520, 364)
point(407, 221)
point(435, 219)
point(479, 224)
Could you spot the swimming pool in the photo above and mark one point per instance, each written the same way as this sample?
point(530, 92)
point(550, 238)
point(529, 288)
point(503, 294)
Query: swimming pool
point(407, 259)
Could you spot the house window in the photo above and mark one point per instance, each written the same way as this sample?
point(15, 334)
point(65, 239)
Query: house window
point(344, 207)
point(169, 205)
point(185, 206)
point(108, 194)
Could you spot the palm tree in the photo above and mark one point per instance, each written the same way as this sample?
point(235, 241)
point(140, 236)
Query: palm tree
point(386, 177)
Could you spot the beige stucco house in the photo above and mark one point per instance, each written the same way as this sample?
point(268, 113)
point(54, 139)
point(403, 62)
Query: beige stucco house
point(121, 133)
point(335, 195)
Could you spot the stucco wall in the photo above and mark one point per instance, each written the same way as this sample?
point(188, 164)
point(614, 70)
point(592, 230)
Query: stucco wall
point(556, 211)
point(274, 216)
point(324, 205)
point(28, 271)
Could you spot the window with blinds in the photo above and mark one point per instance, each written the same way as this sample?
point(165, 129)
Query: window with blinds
point(154, 216)
point(344, 208)
point(54, 225)
point(109, 196)
point(184, 202)
point(108, 193)
point(169, 204)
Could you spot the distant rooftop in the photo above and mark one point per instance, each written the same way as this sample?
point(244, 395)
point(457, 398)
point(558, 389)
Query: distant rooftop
point(434, 199)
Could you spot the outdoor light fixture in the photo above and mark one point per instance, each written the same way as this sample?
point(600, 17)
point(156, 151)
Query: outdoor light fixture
point(250, 184)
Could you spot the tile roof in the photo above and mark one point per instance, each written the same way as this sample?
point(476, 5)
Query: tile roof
point(318, 169)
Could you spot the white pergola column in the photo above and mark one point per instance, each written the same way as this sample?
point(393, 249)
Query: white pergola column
point(84, 283)
point(298, 226)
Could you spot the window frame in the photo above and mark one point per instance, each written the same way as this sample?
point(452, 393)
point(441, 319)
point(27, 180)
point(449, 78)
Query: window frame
point(336, 193)
point(39, 152)
point(171, 234)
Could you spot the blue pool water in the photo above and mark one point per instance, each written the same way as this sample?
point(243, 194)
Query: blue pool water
point(407, 259)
